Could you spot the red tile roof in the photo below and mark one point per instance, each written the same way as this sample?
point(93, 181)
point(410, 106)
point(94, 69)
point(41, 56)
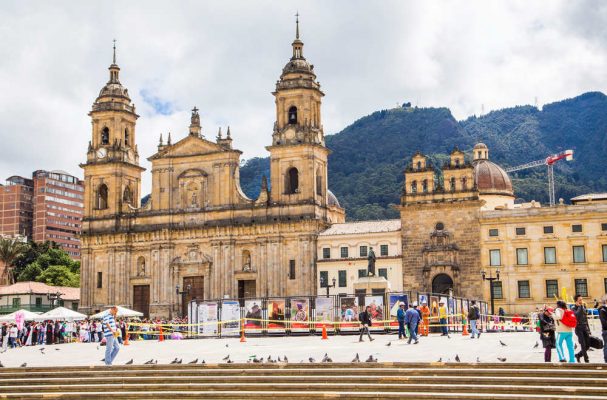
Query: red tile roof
point(69, 293)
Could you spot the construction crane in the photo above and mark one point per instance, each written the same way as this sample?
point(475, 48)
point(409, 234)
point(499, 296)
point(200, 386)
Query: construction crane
point(549, 162)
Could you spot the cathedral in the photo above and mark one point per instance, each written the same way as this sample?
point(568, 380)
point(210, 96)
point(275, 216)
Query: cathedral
point(199, 236)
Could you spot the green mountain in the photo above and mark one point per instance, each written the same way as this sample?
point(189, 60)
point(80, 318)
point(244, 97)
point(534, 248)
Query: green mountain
point(369, 156)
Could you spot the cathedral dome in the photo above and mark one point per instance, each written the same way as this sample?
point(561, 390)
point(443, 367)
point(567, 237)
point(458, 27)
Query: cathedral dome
point(114, 89)
point(332, 199)
point(489, 177)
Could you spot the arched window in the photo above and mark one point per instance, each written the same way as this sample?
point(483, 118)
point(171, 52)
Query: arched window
point(102, 194)
point(293, 115)
point(105, 135)
point(141, 266)
point(292, 184)
point(318, 182)
point(457, 162)
point(414, 187)
point(452, 184)
point(127, 196)
point(126, 137)
point(419, 165)
point(425, 186)
point(464, 183)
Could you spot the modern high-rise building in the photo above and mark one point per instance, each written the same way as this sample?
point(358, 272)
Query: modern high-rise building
point(47, 207)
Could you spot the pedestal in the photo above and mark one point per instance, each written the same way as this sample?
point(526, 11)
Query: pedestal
point(368, 283)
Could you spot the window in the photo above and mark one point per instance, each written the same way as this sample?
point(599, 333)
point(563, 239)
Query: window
point(497, 289)
point(363, 251)
point(604, 227)
point(126, 137)
point(494, 232)
point(425, 186)
point(495, 258)
point(102, 194)
point(520, 231)
point(549, 255)
point(605, 284)
point(452, 183)
point(326, 252)
point(414, 187)
point(521, 257)
point(324, 278)
point(105, 135)
point(523, 290)
point(383, 272)
point(581, 287)
point(362, 273)
point(38, 301)
point(16, 302)
point(74, 306)
point(548, 229)
point(318, 182)
point(383, 250)
point(604, 252)
point(293, 115)
point(344, 252)
point(99, 280)
point(291, 269)
point(552, 288)
point(292, 183)
point(576, 228)
point(579, 255)
point(342, 278)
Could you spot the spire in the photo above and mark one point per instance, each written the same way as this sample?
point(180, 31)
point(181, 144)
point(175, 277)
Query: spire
point(228, 134)
point(160, 143)
point(296, 27)
point(114, 69)
point(219, 134)
point(114, 59)
point(169, 139)
point(195, 128)
point(297, 44)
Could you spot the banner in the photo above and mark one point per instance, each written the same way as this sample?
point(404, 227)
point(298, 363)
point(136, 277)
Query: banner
point(348, 312)
point(394, 301)
point(253, 311)
point(377, 311)
point(207, 317)
point(230, 311)
point(300, 312)
point(325, 312)
point(276, 315)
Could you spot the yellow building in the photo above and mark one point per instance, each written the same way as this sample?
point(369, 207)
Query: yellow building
point(199, 233)
point(343, 250)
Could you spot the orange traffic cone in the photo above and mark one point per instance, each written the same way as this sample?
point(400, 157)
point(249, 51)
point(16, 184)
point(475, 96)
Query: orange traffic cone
point(324, 332)
point(160, 336)
point(242, 337)
point(465, 327)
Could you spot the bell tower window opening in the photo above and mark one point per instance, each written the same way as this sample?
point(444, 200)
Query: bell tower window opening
point(102, 194)
point(425, 186)
point(318, 182)
point(127, 196)
point(293, 115)
point(464, 184)
point(452, 181)
point(105, 135)
point(419, 165)
point(414, 187)
point(126, 137)
point(292, 184)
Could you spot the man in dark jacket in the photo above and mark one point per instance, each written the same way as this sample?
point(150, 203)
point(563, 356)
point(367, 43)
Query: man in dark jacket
point(400, 317)
point(603, 319)
point(365, 322)
point(412, 320)
point(582, 330)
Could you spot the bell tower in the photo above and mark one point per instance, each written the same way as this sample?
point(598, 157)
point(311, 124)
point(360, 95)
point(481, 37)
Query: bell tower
point(112, 173)
point(298, 156)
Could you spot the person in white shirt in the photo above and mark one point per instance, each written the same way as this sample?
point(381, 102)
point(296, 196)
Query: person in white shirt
point(564, 333)
point(12, 336)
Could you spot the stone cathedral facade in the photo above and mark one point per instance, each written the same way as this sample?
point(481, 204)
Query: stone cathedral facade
point(199, 231)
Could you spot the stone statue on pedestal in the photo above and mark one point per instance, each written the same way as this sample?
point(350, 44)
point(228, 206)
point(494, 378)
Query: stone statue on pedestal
point(371, 264)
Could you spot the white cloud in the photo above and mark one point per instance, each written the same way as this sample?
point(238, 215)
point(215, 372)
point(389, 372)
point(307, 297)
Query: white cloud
point(225, 58)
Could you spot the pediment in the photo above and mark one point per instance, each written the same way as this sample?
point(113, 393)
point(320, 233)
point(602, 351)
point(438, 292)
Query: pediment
point(187, 147)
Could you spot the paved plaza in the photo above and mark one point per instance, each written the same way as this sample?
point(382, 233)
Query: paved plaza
point(520, 348)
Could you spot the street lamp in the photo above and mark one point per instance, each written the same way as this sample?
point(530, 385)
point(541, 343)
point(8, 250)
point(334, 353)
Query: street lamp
point(326, 284)
point(182, 293)
point(491, 278)
point(53, 297)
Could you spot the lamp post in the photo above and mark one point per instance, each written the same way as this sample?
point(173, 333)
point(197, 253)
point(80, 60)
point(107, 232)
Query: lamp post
point(491, 278)
point(53, 297)
point(182, 293)
point(326, 284)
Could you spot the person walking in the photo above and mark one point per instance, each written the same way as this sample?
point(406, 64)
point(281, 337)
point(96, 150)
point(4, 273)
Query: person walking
point(110, 332)
point(400, 317)
point(13, 332)
point(474, 314)
point(564, 330)
point(603, 319)
point(547, 332)
point(442, 315)
point(412, 320)
point(582, 330)
point(365, 320)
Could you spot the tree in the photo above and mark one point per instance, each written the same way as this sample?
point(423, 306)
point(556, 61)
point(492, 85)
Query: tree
point(30, 273)
point(10, 250)
point(59, 275)
point(32, 252)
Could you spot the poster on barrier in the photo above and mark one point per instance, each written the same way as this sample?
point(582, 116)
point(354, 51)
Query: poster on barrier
point(230, 318)
point(451, 312)
point(276, 315)
point(325, 312)
point(348, 312)
point(300, 314)
point(207, 319)
point(394, 301)
point(377, 311)
point(253, 316)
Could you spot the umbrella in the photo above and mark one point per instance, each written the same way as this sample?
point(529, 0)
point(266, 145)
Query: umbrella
point(28, 316)
point(62, 314)
point(122, 312)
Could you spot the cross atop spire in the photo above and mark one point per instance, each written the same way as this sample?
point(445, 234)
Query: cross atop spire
point(297, 25)
point(114, 59)
point(297, 44)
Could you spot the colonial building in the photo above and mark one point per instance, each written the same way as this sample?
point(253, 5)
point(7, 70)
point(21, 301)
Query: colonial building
point(199, 233)
point(37, 297)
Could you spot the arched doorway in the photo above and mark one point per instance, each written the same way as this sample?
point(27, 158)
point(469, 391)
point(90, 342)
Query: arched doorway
point(442, 283)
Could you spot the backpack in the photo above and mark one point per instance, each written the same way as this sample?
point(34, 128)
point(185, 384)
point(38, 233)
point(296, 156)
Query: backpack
point(473, 313)
point(569, 319)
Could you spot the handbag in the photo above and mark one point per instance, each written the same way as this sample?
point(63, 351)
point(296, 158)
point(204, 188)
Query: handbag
point(595, 343)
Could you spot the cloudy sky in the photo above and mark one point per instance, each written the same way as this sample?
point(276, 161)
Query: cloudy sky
point(225, 57)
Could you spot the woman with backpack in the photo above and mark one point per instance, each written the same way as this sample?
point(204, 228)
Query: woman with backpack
point(547, 332)
point(564, 319)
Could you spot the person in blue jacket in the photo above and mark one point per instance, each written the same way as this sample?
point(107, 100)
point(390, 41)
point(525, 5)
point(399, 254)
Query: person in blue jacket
point(400, 317)
point(412, 319)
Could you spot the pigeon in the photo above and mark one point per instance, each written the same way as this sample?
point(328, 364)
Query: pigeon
point(440, 359)
point(285, 359)
point(371, 359)
point(103, 360)
point(129, 362)
point(23, 365)
point(226, 358)
point(203, 362)
point(179, 362)
point(256, 360)
point(149, 362)
point(195, 361)
point(270, 359)
point(42, 348)
point(1, 365)
point(329, 360)
point(227, 345)
point(502, 359)
point(503, 344)
point(356, 359)
point(174, 361)
point(230, 362)
point(311, 360)
point(536, 345)
point(389, 344)
point(279, 360)
point(325, 358)
point(478, 359)
point(457, 358)
point(57, 349)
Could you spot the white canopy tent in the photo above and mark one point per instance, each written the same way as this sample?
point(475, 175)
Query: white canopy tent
point(29, 316)
point(122, 312)
point(62, 314)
